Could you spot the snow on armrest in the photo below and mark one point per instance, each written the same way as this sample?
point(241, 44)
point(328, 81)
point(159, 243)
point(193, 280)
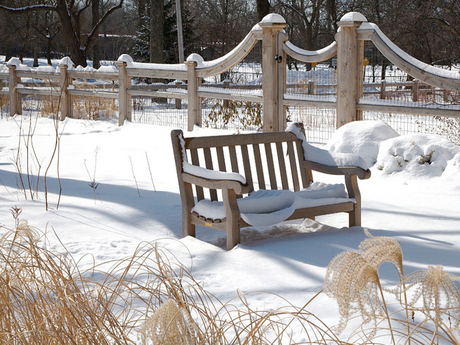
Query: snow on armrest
point(325, 157)
point(213, 174)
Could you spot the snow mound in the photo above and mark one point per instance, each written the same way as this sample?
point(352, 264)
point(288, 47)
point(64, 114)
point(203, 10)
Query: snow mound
point(418, 155)
point(326, 157)
point(362, 138)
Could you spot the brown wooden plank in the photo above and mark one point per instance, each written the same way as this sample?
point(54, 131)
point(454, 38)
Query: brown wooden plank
point(293, 163)
point(196, 161)
point(240, 139)
point(271, 166)
point(247, 167)
point(282, 165)
point(347, 206)
point(209, 165)
point(305, 175)
point(233, 159)
point(221, 158)
point(259, 167)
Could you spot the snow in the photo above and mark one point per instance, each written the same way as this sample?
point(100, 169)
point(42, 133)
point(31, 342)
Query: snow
point(142, 65)
point(330, 49)
point(266, 207)
point(326, 157)
point(362, 138)
point(137, 199)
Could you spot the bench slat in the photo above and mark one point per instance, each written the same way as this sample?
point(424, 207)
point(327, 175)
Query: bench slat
point(271, 166)
point(233, 159)
point(221, 158)
point(293, 163)
point(259, 167)
point(196, 161)
point(209, 165)
point(303, 173)
point(247, 167)
point(282, 165)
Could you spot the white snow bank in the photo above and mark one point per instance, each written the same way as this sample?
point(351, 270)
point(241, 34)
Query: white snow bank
point(268, 207)
point(418, 155)
point(362, 138)
point(325, 157)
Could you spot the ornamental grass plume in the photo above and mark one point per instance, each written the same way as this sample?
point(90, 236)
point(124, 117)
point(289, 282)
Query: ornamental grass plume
point(352, 279)
point(380, 249)
point(169, 325)
point(432, 287)
point(353, 282)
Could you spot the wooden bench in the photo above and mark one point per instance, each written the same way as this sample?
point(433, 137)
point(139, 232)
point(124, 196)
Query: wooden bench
point(230, 167)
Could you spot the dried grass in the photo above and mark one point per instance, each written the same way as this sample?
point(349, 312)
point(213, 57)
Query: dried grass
point(150, 298)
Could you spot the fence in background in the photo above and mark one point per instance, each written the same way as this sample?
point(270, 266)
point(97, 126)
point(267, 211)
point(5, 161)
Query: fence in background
point(265, 75)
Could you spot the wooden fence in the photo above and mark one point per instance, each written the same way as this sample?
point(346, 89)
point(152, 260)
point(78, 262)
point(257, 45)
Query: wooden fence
point(348, 100)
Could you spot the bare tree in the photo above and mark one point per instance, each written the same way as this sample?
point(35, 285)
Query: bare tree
point(71, 15)
point(95, 18)
point(156, 30)
point(263, 8)
point(304, 16)
point(222, 24)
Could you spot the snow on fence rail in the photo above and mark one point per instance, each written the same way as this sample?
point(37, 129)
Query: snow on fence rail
point(346, 97)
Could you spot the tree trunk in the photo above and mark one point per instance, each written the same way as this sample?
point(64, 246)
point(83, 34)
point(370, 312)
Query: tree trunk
point(156, 30)
point(263, 8)
point(77, 52)
point(96, 48)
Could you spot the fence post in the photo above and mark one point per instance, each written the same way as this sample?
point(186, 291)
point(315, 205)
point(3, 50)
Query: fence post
point(178, 101)
point(311, 87)
point(13, 91)
point(122, 93)
point(226, 85)
point(383, 88)
point(350, 56)
point(65, 99)
point(274, 72)
point(415, 89)
point(194, 102)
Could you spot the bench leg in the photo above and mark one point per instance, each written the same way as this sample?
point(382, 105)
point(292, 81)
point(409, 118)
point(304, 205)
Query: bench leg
point(188, 229)
point(232, 218)
point(354, 217)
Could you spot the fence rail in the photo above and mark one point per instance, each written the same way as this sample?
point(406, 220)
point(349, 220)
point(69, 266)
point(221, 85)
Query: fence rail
point(349, 96)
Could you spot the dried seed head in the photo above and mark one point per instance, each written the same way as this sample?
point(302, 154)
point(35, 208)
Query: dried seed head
point(434, 286)
point(377, 250)
point(24, 230)
point(353, 282)
point(169, 325)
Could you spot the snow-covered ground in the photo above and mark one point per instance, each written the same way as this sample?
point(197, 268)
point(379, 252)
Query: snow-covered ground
point(413, 196)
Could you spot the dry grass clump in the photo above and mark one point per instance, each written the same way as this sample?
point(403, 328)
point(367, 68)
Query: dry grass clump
point(148, 298)
point(93, 108)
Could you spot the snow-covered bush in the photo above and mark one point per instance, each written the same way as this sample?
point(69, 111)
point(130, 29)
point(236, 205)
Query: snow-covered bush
point(417, 154)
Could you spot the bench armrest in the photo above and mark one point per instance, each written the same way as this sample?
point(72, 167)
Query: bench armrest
point(337, 170)
point(205, 182)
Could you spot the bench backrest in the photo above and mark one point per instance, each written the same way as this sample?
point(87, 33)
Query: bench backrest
point(266, 160)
